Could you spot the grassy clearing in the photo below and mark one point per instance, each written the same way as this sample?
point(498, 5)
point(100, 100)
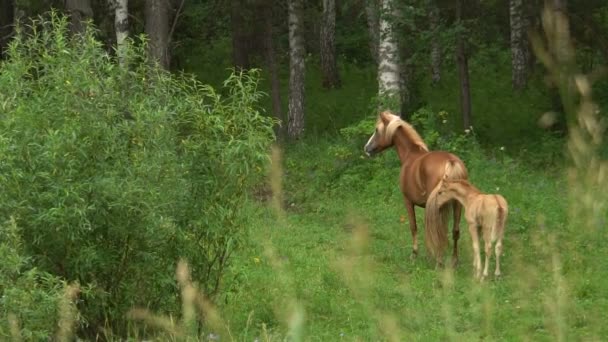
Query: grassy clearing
point(343, 253)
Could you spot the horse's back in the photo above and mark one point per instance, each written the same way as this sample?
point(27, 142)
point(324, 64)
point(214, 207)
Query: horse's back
point(434, 167)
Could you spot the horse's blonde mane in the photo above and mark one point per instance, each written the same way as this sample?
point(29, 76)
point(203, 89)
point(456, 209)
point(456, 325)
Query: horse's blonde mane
point(409, 131)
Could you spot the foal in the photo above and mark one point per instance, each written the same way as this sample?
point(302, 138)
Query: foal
point(486, 211)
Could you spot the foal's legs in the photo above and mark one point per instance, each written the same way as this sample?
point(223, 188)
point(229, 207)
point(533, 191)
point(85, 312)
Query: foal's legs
point(457, 209)
point(488, 250)
point(476, 257)
point(411, 215)
point(498, 253)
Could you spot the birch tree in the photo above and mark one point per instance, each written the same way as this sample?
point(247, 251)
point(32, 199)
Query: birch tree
point(295, 125)
point(388, 59)
point(121, 26)
point(518, 45)
point(157, 29)
point(329, 67)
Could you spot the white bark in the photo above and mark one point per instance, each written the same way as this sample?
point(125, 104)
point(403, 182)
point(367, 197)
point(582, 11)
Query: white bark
point(121, 25)
point(388, 56)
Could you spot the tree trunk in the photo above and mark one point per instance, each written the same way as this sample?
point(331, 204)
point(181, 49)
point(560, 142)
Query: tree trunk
point(373, 25)
point(240, 38)
point(388, 60)
point(329, 67)
point(80, 11)
point(273, 70)
point(7, 11)
point(518, 45)
point(295, 127)
point(121, 25)
point(563, 51)
point(157, 29)
point(463, 71)
point(435, 44)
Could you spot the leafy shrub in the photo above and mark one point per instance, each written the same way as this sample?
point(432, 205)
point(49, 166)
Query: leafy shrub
point(27, 294)
point(113, 174)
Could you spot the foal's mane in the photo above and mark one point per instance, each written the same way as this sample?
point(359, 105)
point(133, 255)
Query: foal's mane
point(395, 122)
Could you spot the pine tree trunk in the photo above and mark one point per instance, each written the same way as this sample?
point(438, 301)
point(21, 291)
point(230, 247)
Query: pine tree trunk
point(7, 11)
point(518, 45)
point(329, 67)
point(240, 38)
point(80, 11)
point(373, 25)
point(295, 126)
point(463, 72)
point(388, 60)
point(157, 29)
point(121, 25)
point(435, 44)
point(273, 69)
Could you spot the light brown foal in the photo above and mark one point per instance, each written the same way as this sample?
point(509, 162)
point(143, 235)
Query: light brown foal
point(487, 212)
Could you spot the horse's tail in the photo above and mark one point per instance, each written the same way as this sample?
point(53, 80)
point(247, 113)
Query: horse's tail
point(435, 216)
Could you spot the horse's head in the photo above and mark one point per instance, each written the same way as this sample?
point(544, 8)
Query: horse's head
point(381, 139)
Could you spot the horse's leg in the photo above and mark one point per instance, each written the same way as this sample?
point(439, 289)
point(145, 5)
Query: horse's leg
point(411, 215)
point(476, 258)
point(488, 250)
point(457, 209)
point(498, 252)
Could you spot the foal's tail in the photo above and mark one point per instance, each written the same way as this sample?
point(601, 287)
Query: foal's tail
point(436, 217)
point(501, 218)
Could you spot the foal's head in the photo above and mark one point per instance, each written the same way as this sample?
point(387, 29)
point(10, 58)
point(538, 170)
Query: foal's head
point(452, 189)
point(383, 134)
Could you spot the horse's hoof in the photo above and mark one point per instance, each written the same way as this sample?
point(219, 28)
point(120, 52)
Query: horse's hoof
point(454, 262)
point(414, 255)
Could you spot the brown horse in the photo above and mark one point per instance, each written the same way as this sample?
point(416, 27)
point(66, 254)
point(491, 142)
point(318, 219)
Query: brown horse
point(486, 211)
point(422, 172)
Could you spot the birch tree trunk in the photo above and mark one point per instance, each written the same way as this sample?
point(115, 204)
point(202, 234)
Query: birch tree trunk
point(329, 67)
point(373, 25)
point(295, 126)
point(463, 71)
point(80, 11)
point(121, 26)
point(388, 60)
point(273, 70)
point(157, 29)
point(435, 44)
point(518, 45)
point(7, 11)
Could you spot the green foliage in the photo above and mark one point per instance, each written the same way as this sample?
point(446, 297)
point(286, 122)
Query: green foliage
point(113, 175)
point(28, 296)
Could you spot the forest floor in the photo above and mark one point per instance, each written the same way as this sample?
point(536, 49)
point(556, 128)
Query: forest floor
point(335, 265)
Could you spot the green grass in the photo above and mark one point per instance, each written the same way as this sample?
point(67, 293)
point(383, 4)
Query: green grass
point(342, 253)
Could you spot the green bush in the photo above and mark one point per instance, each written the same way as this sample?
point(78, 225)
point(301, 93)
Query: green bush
point(27, 295)
point(113, 175)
